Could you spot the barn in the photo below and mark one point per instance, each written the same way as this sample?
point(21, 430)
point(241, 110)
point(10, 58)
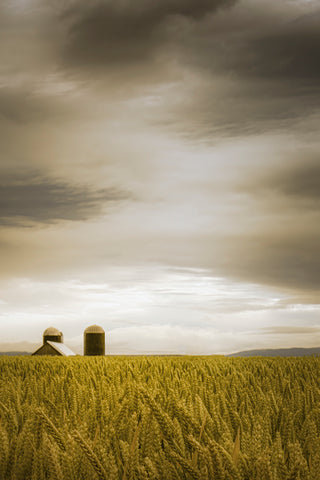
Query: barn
point(53, 344)
point(54, 348)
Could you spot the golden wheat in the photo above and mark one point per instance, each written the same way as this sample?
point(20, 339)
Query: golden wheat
point(170, 418)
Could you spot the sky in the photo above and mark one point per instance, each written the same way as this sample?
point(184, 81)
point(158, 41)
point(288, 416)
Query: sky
point(160, 173)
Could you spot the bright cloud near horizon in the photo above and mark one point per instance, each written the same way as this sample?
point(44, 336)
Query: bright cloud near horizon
point(160, 173)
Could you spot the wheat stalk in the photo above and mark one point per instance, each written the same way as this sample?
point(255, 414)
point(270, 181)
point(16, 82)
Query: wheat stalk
point(91, 456)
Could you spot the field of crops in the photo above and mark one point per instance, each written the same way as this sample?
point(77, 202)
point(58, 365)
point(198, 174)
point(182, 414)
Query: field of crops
point(209, 418)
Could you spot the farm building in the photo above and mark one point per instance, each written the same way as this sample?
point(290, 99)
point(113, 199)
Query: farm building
point(53, 344)
point(94, 342)
point(54, 348)
point(53, 335)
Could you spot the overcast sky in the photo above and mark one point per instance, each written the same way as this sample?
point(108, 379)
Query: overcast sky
point(160, 173)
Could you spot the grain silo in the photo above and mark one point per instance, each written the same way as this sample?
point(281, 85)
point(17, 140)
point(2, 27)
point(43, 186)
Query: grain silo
point(53, 335)
point(94, 340)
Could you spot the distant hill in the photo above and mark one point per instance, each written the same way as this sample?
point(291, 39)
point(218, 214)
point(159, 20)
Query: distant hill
point(11, 354)
point(267, 352)
point(278, 352)
point(17, 348)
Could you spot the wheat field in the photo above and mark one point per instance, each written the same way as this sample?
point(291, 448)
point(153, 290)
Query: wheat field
point(203, 418)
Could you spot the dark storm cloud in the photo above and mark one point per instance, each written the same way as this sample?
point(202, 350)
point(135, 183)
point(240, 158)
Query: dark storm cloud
point(106, 33)
point(32, 198)
point(253, 76)
point(254, 71)
point(293, 55)
point(297, 183)
point(286, 49)
point(241, 107)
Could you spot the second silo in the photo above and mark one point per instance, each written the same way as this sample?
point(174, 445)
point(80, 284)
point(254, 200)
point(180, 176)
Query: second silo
point(53, 335)
point(94, 340)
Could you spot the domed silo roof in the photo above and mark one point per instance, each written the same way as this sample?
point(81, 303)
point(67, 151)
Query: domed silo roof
point(94, 329)
point(94, 340)
point(53, 335)
point(51, 331)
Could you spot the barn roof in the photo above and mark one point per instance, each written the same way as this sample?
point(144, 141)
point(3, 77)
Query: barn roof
point(59, 348)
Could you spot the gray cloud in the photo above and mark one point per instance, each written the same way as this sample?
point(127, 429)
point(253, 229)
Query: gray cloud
point(37, 199)
point(105, 34)
point(291, 52)
point(285, 260)
point(302, 182)
point(237, 106)
point(237, 69)
point(235, 74)
point(312, 299)
point(22, 105)
point(294, 185)
point(285, 330)
point(253, 75)
point(276, 241)
point(284, 49)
